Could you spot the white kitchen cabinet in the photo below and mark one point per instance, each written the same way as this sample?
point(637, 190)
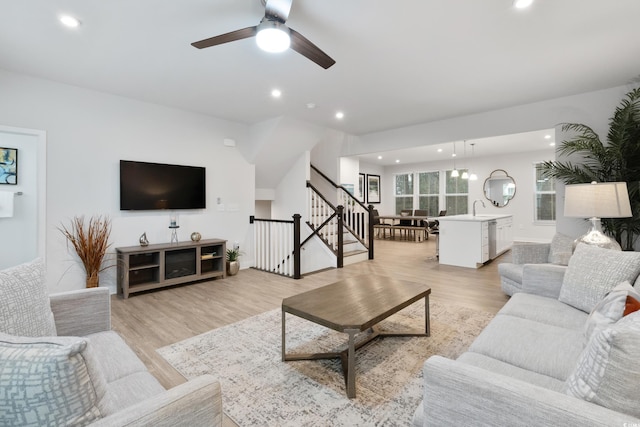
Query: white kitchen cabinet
point(468, 241)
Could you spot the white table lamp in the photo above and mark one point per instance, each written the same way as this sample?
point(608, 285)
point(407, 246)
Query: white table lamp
point(595, 201)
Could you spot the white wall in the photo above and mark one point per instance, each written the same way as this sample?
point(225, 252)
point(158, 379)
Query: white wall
point(593, 109)
point(291, 198)
point(291, 193)
point(88, 133)
point(19, 233)
point(518, 165)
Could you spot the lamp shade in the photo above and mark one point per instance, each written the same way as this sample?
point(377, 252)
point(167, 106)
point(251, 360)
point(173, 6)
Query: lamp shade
point(597, 200)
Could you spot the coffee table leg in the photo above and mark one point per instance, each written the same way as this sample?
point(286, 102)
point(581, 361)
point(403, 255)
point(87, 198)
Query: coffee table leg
point(351, 363)
point(283, 336)
point(427, 320)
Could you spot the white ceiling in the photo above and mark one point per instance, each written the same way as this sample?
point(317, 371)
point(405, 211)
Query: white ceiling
point(398, 63)
point(483, 147)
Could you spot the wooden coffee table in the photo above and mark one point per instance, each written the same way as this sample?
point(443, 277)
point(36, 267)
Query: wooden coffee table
point(352, 306)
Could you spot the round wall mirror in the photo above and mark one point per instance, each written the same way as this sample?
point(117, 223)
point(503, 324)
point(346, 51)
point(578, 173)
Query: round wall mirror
point(499, 188)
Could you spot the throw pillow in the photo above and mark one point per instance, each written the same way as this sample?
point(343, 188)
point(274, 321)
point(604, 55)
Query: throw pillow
point(24, 301)
point(608, 372)
point(560, 249)
point(618, 303)
point(45, 381)
point(593, 272)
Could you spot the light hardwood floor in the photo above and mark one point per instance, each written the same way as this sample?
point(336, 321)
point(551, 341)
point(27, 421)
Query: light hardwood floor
point(149, 321)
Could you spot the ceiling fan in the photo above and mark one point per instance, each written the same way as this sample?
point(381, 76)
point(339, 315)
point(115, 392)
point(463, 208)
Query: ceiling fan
point(273, 35)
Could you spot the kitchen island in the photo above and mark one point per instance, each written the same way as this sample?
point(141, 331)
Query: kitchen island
point(471, 241)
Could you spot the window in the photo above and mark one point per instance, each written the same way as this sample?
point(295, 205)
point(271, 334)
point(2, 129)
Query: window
point(429, 192)
point(435, 191)
point(404, 192)
point(545, 196)
point(456, 194)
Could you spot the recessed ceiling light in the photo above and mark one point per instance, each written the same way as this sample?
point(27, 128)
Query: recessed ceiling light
point(552, 144)
point(522, 4)
point(454, 155)
point(70, 21)
point(397, 160)
point(339, 115)
point(276, 93)
point(439, 150)
point(379, 157)
point(547, 137)
point(311, 105)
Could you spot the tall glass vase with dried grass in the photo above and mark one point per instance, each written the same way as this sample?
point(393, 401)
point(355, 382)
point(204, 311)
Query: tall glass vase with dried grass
point(90, 243)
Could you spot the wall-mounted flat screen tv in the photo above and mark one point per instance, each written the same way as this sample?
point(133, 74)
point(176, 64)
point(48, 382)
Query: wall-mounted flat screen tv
point(150, 186)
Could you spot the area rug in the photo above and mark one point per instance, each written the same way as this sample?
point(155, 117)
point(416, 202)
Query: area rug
point(260, 390)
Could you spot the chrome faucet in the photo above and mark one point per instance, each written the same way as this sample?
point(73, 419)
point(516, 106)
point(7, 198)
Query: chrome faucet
point(474, 206)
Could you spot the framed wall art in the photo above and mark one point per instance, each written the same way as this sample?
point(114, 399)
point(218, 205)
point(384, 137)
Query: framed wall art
point(373, 188)
point(360, 195)
point(8, 166)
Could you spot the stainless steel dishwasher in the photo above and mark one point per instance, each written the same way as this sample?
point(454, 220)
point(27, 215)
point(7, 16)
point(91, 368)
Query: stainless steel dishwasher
point(492, 238)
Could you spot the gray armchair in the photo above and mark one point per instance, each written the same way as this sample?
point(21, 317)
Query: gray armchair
point(62, 365)
point(536, 267)
point(133, 396)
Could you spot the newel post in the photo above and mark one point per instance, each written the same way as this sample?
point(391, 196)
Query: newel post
point(370, 225)
point(340, 214)
point(296, 246)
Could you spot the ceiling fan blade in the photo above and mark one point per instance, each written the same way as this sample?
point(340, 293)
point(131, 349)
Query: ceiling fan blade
point(277, 10)
point(304, 47)
point(226, 38)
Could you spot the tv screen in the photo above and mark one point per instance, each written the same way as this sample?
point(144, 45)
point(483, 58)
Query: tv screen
point(150, 186)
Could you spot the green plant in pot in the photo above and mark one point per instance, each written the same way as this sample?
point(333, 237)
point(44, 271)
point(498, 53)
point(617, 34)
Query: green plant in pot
point(617, 160)
point(233, 264)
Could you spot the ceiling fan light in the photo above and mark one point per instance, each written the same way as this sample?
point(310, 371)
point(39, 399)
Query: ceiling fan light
point(273, 37)
point(522, 4)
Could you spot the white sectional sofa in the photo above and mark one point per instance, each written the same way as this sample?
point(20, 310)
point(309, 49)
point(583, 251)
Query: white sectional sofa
point(60, 364)
point(544, 360)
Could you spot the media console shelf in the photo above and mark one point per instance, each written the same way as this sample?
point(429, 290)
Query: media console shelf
point(141, 268)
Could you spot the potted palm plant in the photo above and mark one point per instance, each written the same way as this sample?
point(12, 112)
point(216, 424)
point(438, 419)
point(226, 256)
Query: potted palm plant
point(90, 243)
point(617, 160)
point(233, 264)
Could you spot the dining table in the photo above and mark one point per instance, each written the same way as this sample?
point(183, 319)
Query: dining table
point(420, 233)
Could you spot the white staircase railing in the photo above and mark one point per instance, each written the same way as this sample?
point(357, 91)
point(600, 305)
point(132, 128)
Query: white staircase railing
point(277, 246)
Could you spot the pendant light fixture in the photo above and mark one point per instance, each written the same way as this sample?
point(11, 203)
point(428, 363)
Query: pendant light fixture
point(473, 176)
point(465, 174)
point(454, 172)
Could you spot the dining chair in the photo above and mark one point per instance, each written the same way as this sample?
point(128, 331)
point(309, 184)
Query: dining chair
point(404, 224)
point(379, 225)
point(421, 225)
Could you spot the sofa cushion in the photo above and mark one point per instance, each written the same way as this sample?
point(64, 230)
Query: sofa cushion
point(561, 249)
point(544, 310)
point(608, 372)
point(24, 302)
point(127, 380)
point(503, 368)
point(546, 349)
point(593, 272)
point(45, 381)
point(622, 300)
